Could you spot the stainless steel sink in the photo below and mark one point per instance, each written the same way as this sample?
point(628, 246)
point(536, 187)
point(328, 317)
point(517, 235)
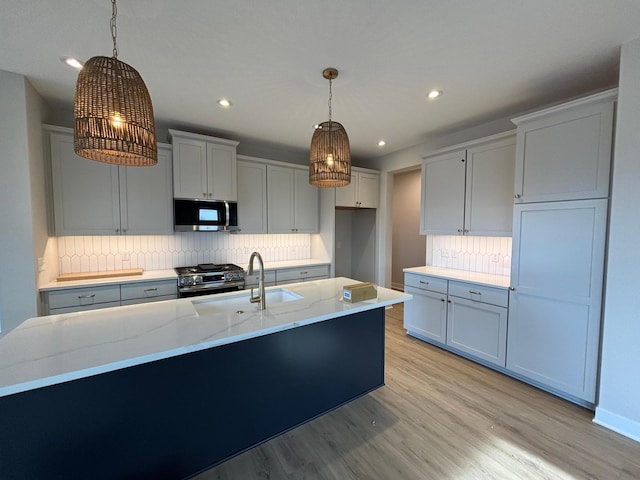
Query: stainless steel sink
point(240, 303)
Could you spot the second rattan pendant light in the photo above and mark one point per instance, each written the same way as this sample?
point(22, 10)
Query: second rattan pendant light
point(113, 115)
point(330, 157)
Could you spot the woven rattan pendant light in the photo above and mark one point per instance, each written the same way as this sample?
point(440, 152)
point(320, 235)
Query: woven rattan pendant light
point(113, 114)
point(330, 158)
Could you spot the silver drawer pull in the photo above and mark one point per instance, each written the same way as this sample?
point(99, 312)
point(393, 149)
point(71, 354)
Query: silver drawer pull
point(90, 295)
point(303, 273)
point(423, 283)
point(475, 293)
point(151, 289)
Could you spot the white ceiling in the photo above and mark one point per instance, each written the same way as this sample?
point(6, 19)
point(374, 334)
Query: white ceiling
point(492, 58)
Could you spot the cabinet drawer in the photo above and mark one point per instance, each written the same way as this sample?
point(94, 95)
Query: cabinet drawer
point(252, 280)
point(143, 290)
point(479, 293)
point(424, 282)
point(301, 274)
point(74, 297)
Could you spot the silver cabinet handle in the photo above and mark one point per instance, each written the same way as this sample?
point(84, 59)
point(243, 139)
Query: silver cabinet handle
point(459, 230)
point(513, 289)
point(442, 300)
point(117, 230)
point(423, 282)
point(90, 295)
point(303, 273)
point(517, 195)
point(151, 289)
point(448, 301)
point(466, 230)
point(475, 293)
point(124, 230)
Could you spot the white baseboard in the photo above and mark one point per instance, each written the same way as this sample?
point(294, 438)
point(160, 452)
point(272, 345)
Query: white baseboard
point(618, 423)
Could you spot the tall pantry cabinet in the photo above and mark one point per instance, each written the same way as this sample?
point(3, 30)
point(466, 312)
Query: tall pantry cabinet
point(563, 158)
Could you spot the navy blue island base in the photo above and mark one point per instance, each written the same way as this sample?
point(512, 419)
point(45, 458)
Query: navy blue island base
point(174, 418)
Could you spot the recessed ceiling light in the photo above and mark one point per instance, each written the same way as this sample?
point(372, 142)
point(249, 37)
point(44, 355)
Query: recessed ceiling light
point(382, 143)
point(223, 102)
point(433, 94)
point(72, 62)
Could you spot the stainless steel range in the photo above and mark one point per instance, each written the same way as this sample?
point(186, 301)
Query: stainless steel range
point(208, 278)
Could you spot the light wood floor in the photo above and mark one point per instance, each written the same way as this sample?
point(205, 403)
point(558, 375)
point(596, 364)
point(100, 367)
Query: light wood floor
point(442, 417)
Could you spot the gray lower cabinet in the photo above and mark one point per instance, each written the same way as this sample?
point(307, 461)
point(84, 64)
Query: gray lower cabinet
point(426, 314)
point(555, 308)
point(303, 274)
point(477, 321)
point(68, 300)
point(466, 317)
point(251, 281)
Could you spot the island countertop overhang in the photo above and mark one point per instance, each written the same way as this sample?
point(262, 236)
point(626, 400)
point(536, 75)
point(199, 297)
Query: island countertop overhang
point(49, 350)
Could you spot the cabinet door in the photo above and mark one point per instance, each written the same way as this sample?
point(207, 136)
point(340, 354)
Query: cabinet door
point(146, 197)
point(252, 197)
point(565, 155)
point(554, 312)
point(368, 190)
point(443, 187)
point(306, 203)
point(426, 315)
point(346, 196)
point(489, 188)
point(478, 329)
point(190, 168)
point(280, 199)
point(85, 192)
point(221, 172)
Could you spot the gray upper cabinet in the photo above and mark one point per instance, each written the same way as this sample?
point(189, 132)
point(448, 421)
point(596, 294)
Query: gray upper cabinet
point(362, 192)
point(94, 198)
point(203, 167)
point(293, 205)
point(252, 197)
point(564, 152)
point(468, 190)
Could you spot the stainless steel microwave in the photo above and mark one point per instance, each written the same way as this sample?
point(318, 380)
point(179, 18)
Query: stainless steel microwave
point(205, 216)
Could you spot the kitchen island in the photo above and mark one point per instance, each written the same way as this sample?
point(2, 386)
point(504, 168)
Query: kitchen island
point(167, 389)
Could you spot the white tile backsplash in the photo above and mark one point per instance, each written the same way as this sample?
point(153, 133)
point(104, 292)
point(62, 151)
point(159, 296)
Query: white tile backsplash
point(158, 252)
point(473, 254)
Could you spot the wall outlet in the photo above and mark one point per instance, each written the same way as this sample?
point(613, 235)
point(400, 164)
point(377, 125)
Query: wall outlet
point(444, 253)
point(41, 264)
point(495, 258)
point(247, 251)
point(126, 257)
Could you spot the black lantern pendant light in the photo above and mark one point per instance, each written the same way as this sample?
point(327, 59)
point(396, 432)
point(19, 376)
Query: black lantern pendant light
point(330, 158)
point(113, 115)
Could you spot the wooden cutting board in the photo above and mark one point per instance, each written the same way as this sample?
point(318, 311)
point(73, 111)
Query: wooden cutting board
point(91, 275)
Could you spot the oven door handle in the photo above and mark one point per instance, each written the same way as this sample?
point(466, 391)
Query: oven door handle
point(212, 288)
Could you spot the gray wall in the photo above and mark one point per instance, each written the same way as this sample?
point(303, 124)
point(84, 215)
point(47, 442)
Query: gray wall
point(408, 246)
point(619, 403)
point(23, 234)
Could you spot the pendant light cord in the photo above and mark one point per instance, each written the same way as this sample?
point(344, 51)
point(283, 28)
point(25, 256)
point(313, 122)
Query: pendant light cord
point(330, 95)
point(114, 28)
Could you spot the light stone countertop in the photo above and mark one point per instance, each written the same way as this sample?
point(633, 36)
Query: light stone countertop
point(147, 276)
point(48, 350)
point(490, 280)
point(168, 274)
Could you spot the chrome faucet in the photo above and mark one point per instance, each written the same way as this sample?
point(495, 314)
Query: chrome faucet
point(261, 298)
